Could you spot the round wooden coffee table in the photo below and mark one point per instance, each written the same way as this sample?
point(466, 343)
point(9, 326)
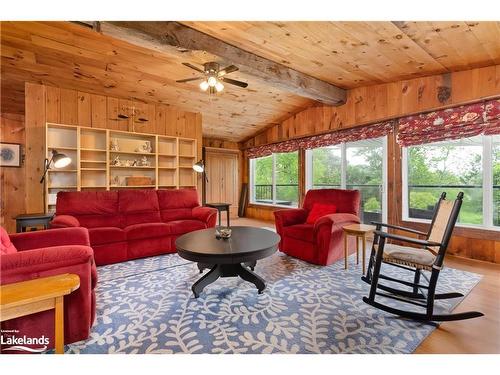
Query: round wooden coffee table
point(230, 257)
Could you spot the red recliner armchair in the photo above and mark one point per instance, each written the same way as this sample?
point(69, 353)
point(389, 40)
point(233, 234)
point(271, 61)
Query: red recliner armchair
point(31, 255)
point(322, 242)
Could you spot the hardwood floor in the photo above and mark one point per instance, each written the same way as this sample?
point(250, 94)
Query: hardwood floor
point(480, 335)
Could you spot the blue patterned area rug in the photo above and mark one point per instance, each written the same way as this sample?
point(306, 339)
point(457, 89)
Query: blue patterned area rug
point(146, 306)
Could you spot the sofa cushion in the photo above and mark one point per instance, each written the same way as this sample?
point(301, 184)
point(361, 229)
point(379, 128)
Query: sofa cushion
point(147, 230)
point(179, 198)
point(99, 236)
point(302, 232)
point(91, 208)
point(138, 206)
point(6, 246)
point(177, 204)
point(178, 227)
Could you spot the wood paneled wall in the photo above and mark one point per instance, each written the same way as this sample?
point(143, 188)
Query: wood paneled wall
point(11, 178)
point(220, 143)
point(370, 104)
point(21, 190)
point(386, 101)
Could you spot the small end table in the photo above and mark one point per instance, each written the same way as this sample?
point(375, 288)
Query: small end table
point(359, 231)
point(32, 220)
point(46, 293)
point(220, 207)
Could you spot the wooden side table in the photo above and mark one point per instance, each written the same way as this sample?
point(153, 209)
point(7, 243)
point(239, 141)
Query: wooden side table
point(45, 293)
point(220, 207)
point(359, 231)
point(32, 220)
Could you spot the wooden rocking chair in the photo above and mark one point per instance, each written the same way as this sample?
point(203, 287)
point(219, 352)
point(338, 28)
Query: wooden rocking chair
point(429, 257)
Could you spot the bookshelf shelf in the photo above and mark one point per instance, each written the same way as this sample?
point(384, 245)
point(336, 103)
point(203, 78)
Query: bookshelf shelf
point(170, 158)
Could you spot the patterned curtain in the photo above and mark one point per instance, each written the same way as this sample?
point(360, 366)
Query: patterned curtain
point(323, 140)
point(452, 123)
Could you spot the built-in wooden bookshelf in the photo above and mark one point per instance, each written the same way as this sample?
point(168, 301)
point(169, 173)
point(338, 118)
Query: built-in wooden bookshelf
point(102, 159)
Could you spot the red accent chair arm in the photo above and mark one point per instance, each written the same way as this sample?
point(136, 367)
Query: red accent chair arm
point(335, 219)
point(285, 218)
point(205, 214)
point(328, 232)
point(30, 264)
point(50, 238)
point(64, 221)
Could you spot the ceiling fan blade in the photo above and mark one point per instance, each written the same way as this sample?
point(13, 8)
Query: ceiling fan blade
point(234, 82)
point(193, 67)
point(189, 79)
point(227, 70)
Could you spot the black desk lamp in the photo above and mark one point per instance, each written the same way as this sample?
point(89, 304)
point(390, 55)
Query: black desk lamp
point(199, 167)
point(60, 161)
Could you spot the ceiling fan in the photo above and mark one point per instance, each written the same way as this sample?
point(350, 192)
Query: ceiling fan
point(213, 77)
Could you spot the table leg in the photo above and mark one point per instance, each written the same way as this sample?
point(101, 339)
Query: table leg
point(252, 277)
point(220, 214)
point(209, 278)
point(364, 254)
point(228, 225)
point(357, 249)
point(251, 265)
point(345, 250)
point(59, 325)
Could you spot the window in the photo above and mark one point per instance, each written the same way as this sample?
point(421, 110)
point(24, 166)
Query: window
point(470, 165)
point(326, 167)
point(274, 179)
point(365, 166)
point(356, 165)
point(496, 180)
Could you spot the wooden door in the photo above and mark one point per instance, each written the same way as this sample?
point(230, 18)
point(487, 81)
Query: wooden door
point(223, 177)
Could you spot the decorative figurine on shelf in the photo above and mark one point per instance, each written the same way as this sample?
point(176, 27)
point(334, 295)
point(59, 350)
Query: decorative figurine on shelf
point(128, 163)
point(115, 181)
point(114, 145)
point(145, 162)
point(116, 161)
point(146, 147)
point(134, 163)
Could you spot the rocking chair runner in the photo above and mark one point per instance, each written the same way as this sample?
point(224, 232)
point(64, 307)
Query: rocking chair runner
point(429, 257)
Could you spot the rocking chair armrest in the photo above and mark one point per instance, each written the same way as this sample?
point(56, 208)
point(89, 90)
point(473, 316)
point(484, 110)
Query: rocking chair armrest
point(415, 241)
point(376, 223)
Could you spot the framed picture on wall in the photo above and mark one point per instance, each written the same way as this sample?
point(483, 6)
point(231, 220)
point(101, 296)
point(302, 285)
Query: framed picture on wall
point(10, 155)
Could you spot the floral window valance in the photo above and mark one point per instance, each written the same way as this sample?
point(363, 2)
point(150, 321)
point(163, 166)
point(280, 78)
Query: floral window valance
point(492, 117)
point(323, 140)
point(452, 123)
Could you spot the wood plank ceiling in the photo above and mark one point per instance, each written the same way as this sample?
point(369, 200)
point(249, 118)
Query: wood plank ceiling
point(347, 54)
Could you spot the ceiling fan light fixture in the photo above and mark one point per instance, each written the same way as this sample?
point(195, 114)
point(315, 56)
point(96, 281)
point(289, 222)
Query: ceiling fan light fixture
point(204, 85)
point(219, 86)
point(212, 81)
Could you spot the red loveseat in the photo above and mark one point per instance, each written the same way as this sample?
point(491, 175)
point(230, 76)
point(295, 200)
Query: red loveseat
point(130, 224)
point(31, 255)
point(322, 242)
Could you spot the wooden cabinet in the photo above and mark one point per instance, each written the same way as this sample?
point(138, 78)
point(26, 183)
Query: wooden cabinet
point(223, 180)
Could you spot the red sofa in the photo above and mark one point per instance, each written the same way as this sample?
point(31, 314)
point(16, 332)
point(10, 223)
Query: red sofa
point(130, 224)
point(322, 242)
point(31, 255)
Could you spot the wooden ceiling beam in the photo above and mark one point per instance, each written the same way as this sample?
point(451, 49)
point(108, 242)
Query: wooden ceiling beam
point(173, 37)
